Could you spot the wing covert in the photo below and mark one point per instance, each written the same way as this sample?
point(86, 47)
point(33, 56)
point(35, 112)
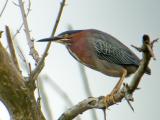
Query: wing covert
point(116, 55)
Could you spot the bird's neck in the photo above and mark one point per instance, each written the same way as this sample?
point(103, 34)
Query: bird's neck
point(80, 50)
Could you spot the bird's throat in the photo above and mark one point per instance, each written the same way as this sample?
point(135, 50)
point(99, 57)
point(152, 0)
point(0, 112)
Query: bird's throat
point(79, 50)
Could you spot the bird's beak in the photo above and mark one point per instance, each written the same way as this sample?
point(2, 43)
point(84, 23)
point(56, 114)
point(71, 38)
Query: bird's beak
point(59, 39)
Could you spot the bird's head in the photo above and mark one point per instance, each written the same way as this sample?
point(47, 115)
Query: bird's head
point(63, 38)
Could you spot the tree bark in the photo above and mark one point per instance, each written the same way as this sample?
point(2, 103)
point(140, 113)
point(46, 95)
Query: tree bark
point(15, 93)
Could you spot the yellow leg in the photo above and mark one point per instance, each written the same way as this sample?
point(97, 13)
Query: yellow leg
point(118, 85)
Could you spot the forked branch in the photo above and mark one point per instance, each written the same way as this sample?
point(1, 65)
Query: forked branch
point(41, 63)
point(33, 51)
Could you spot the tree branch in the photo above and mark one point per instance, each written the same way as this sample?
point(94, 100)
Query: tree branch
point(45, 102)
point(84, 105)
point(41, 63)
point(33, 51)
point(28, 11)
point(14, 93)
point(3, 8)
point(105, 102)
point(11, 49)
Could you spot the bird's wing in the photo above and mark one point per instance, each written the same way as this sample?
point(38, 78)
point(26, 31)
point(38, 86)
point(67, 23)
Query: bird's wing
point(114, 54)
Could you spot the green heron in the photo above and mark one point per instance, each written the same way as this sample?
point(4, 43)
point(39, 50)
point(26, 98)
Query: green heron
point(101, 52)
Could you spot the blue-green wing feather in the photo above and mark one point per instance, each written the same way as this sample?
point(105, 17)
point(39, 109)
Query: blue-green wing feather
point(110, 49)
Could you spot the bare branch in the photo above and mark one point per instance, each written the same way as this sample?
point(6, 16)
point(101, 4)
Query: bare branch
point(109, 100)
point(11, 49)
point(137, 48)
point(19, 29)
point(58, 17)
point(41, 63)
point(33, 51)
point(15, 3)
point(45, 99)
point(143, 66)
point(82, 106)
point(155, 40)
point(23, 58)
point(3, 8)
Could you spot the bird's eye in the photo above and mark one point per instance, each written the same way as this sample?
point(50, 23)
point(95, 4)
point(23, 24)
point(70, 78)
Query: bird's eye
point(66, 35)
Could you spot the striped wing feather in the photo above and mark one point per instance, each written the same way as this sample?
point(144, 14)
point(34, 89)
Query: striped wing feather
point(114, 51)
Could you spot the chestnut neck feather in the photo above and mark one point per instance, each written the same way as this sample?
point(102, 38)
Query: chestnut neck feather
point(79, 49)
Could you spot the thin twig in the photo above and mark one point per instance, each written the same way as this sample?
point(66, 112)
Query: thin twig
point(155, 40)
point(15, 3)
point(11, 49)
point(3, 8)
point(23, 58)
point(45, 100)
point(104, 102)
point(33, 51)
point(58, 17)
point(19, 29)
point(19, 51)
point(21, 55)
point(137, 48)
point(41, 63)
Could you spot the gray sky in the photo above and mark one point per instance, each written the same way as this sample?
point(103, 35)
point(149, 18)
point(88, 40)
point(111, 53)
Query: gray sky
point(126, 20)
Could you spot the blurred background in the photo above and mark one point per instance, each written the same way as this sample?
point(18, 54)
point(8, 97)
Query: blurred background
point(61, 80)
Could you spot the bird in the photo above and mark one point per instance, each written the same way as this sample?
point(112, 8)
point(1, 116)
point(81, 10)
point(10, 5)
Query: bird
point(100, 51)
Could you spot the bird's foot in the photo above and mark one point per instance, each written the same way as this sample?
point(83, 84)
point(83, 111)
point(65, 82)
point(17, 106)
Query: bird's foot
point(113, 92)
point(110, 99)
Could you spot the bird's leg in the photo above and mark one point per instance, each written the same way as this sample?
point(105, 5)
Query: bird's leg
point(118, 85)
